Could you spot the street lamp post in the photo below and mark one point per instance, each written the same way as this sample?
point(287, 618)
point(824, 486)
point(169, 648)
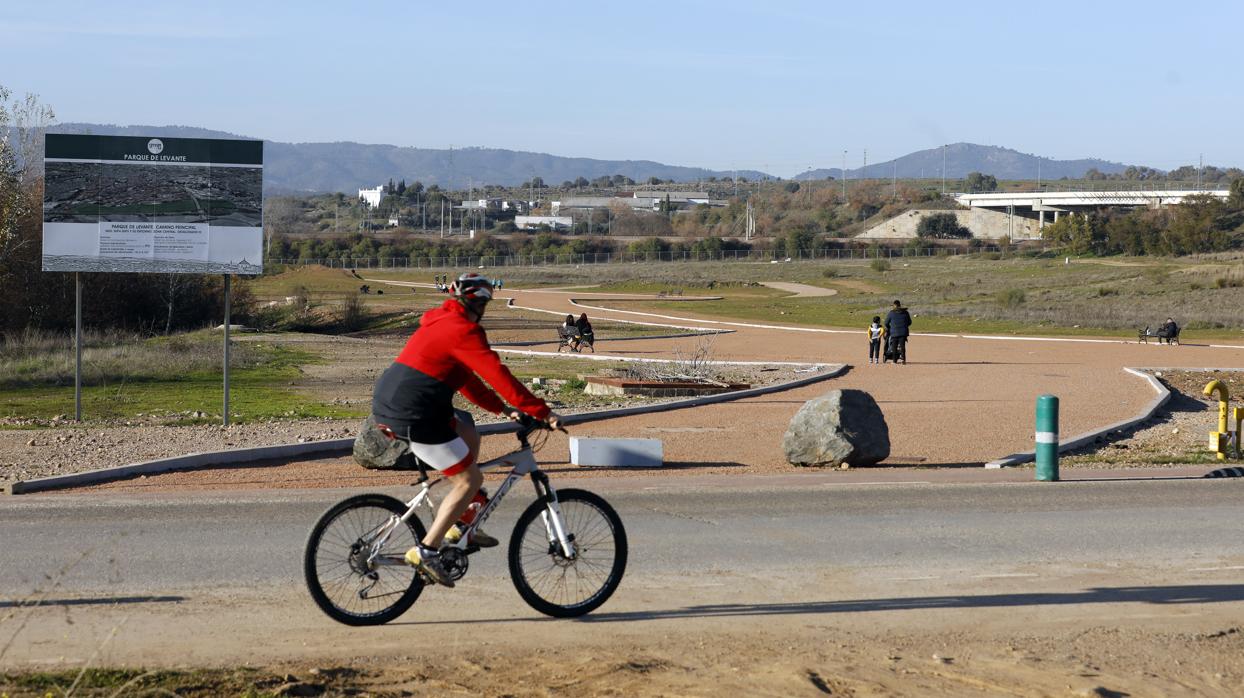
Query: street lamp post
point(943, 170)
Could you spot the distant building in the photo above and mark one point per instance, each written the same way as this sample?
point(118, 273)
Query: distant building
point(640, 201)
point(534, 222)
point(372, 197)
point(491, 204)
point(675, 197)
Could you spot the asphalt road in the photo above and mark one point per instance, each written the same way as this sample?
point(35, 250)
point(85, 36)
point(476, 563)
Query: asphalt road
point(179, 543)
point(214, 578)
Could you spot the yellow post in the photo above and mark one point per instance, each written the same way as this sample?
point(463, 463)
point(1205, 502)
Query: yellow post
point(1238, 413)
point(1217, 439)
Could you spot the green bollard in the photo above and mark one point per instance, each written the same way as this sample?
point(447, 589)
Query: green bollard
point(1047, 438)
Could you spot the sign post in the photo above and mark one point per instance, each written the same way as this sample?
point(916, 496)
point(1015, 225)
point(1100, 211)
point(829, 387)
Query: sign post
point(77, 345)
point(227, 300)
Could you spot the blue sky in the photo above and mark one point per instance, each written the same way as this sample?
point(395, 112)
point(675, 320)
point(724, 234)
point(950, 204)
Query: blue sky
point(778, 86)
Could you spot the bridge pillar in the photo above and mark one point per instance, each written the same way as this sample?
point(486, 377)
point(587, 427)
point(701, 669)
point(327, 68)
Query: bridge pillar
point(1041, 220)
point(1056, 216)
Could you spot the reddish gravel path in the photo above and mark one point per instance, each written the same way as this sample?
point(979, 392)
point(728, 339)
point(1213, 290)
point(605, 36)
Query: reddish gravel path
point(961, 401)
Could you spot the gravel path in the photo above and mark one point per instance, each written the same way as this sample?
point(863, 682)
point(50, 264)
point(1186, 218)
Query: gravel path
point(800, 290)
point(62, 446)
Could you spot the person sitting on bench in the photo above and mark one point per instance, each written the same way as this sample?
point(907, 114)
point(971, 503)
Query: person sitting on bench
point(1169, 331)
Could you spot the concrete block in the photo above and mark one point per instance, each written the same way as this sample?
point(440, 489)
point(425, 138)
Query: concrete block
point(634, 453)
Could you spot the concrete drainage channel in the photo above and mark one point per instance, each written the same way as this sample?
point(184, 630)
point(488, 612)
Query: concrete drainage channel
point(341, 447)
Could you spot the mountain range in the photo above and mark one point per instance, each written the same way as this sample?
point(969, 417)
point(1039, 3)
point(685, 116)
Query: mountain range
point(963, 158)
point(346, 166)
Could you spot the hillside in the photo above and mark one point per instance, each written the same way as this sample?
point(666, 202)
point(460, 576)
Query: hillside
point(347, 166)
point(962, 158)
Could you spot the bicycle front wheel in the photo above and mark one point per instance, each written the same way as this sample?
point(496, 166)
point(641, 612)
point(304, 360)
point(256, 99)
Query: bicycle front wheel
point(349, 578)
point(554, 584)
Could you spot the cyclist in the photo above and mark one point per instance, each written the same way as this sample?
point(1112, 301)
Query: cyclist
point(449, 353)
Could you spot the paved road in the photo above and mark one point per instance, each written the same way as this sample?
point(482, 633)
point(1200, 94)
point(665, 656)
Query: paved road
point(170, 572)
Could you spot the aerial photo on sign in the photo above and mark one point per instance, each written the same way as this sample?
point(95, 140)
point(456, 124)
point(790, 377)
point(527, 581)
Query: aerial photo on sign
point(136, 204)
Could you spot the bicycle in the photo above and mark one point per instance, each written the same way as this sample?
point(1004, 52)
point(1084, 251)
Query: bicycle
point(566, 556)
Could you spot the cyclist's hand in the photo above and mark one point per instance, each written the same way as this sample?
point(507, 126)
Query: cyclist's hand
point(515, 415)
point(554, 421)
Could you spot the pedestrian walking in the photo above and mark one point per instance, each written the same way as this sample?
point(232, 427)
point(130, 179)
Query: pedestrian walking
point(897, 328)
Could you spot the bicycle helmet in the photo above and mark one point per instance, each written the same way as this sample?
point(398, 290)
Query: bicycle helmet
point(472, 290)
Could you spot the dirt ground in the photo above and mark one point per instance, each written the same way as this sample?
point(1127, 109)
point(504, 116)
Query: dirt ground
point(769, 649)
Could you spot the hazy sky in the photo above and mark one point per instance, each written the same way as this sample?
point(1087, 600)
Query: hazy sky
point(777, 86)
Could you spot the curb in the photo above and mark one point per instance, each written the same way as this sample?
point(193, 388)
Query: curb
point(211, 459)
point(538, 342)
point(1164, 394)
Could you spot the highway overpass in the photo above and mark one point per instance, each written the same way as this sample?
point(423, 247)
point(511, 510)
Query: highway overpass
point(1037, 204)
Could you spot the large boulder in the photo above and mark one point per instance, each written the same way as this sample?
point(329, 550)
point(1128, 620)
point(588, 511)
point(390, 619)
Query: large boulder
point(842, 426)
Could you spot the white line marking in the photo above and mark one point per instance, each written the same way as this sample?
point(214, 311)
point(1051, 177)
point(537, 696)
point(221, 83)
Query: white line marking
point(637, 359)
point(1005, 576)
point(909, 579)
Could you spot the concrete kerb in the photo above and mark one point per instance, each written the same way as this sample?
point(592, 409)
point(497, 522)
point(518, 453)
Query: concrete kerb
point(1163, 395)
point(212, 459)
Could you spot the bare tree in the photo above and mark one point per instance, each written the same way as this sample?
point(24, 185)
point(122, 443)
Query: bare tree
point(31, 119)
point(22, 124)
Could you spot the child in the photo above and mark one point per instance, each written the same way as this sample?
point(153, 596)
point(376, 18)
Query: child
point(875, 332)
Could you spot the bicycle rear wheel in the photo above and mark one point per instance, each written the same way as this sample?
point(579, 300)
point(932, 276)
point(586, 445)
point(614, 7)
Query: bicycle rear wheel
point(559, 586)
point(342, 582)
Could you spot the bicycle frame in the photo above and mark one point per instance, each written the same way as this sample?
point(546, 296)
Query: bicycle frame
point(522, 462)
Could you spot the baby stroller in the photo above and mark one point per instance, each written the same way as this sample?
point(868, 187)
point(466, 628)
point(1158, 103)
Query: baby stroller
point(566, 337)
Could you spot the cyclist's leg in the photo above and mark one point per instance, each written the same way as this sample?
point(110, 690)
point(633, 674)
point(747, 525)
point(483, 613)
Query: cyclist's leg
point(464, 424)
point(464, 486)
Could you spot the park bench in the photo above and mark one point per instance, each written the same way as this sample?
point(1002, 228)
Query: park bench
point(1145, 335)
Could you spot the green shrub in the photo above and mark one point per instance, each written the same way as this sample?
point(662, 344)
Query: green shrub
point(1228, 282)
point(1011, 298)
point(879, 265)
point(829, 272)
point(1107, 291)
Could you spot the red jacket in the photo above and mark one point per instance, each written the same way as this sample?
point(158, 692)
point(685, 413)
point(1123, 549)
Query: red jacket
point(448, 353)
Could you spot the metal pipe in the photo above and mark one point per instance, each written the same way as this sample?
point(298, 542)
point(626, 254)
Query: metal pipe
point(1223, 396)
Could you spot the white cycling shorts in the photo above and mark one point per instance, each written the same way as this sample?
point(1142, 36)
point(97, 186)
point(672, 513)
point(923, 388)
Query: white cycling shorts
point(442, 456)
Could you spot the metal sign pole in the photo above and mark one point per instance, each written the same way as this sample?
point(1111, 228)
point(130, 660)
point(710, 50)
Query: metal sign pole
point(77, 342)
point(227, 301)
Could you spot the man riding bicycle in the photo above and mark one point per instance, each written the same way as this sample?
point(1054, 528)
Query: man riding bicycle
point(449, 353)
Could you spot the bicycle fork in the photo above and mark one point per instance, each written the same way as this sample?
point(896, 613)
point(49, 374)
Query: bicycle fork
point(554, 524)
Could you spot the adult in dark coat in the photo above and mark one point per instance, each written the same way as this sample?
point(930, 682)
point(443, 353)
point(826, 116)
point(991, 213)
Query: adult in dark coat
point(1168, 329)
point(897, 328)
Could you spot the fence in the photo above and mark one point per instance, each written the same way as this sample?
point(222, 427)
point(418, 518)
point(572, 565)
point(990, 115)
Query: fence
point(533, 260)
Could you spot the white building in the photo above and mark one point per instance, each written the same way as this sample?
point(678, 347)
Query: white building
point(534, 222)
point(372, 196)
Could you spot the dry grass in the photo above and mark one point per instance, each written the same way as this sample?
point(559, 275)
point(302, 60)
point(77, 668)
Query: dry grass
point(35, 357)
